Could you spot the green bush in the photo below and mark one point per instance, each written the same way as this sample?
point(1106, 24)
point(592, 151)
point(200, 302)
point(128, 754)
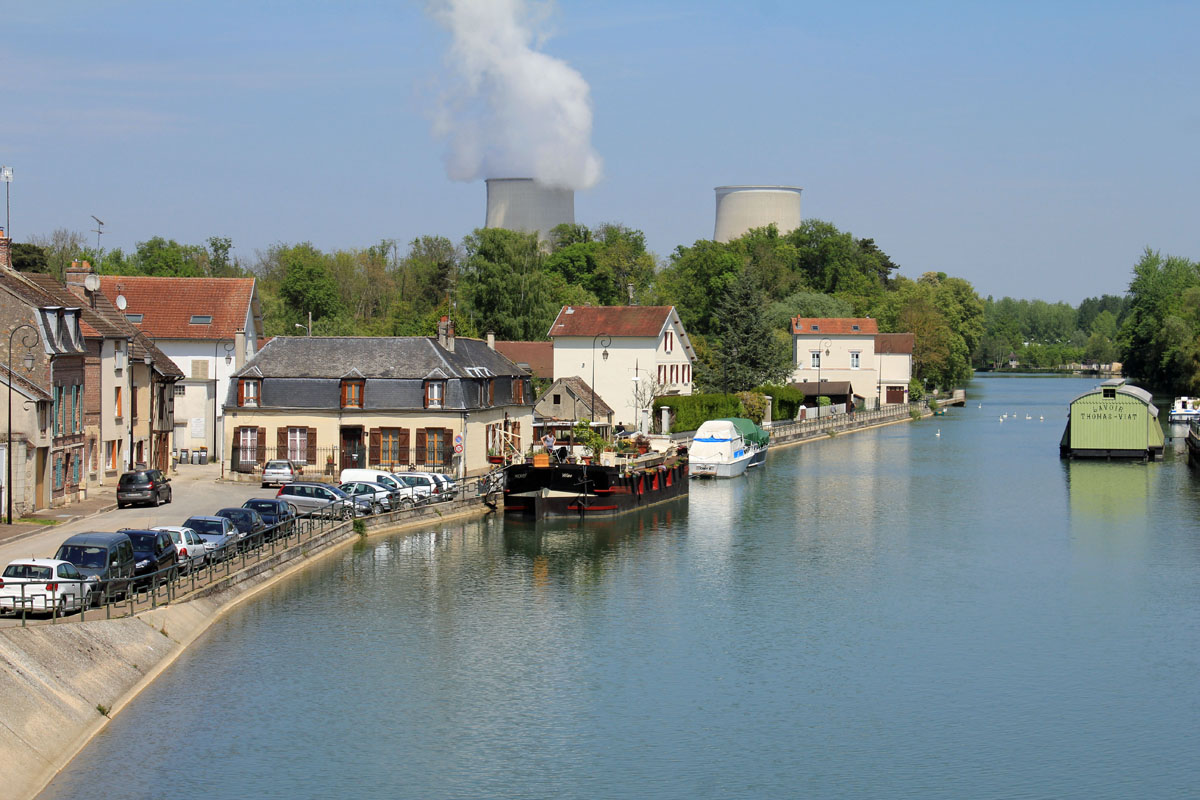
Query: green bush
point(689, 412)
point(785, 400)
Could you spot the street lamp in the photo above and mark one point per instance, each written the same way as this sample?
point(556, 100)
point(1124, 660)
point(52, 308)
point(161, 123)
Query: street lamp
point(28, 361)
point(605, 340)
point(823, 350)
point(885, 347)
point(306, 328)
point(6, 179)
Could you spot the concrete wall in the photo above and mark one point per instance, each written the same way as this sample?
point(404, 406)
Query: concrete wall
point(741, 208)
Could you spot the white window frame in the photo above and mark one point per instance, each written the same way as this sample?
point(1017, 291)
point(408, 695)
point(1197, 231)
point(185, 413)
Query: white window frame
point(854, 359)
point(248, 444)
point(298, 445)
point(816, 359)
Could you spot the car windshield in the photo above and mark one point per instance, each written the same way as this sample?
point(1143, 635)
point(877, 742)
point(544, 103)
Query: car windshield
point(134, 478)
point(28, 571)
point(260, 505)
point(278, 465)
point(235, 514)
point(337, 491)
point(205, 525)
point(86, 557)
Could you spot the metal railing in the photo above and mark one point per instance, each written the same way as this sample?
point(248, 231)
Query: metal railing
point(122, 597)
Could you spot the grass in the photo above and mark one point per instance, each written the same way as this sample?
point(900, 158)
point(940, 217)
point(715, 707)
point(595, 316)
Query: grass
point(38, 521)
point(103, 709)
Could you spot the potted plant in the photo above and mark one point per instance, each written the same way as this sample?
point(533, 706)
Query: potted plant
point(494, 457)
point(642, 443)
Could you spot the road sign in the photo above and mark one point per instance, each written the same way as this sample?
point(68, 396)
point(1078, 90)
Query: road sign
point(458, 448)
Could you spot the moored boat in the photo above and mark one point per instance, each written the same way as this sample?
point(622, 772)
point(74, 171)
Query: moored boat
point(1185, 409)
point(725, 448)
point(570, 490)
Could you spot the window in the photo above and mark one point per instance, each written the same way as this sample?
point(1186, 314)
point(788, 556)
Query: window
point(117, 401)
point(201, 319)
point(136, 319)
point(669, 341)
point(110, 455)
point(435, 446)
point(558, 399)
point(662, 373)
point(393, 447)
point(76, 465)
point(433, 393)
point(854, 327)
point(853, 359)
point(352, 394)
point(58, 472)
point(297, 445)
point(180, 390)
point(248, 391)
point(199, 369)
point(1109, 392)
point(133, 395)
point(518, 390)
point(687, 373)
point(491, 391)
point(816, 359)
point(248, 444)
point(674, 373)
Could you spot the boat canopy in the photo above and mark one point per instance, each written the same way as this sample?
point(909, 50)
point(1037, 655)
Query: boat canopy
point(749, 431)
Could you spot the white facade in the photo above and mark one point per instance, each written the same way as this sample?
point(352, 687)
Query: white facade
point(741, 208)
point(661, 364)
point(834, 357)
point(207, 366)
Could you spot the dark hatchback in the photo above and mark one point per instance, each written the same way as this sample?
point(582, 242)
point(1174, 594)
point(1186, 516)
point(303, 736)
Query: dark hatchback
point(143, 486)
point(276, 513)
point(154, 555)
point(247, 521)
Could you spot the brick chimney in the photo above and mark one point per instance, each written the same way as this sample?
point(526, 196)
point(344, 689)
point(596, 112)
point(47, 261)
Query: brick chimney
point(446, 333)
point(491, 340)
point(5, 250)
point(75, 274)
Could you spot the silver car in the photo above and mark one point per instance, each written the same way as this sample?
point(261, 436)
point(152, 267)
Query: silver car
point(323, 500)
point(278, 472)
point(192, 549)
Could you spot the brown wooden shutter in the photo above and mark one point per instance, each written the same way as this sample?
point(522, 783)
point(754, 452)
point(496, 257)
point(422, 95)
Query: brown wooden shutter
point(281, 443)
point(262, 446)
point(427, 394)
point(311, 454)
point(405, 456)
point(447, 445)
point(376, 441)
point(419, 458)
point(241, 392)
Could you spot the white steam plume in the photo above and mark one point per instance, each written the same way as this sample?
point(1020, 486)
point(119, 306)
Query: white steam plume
point(513, 112)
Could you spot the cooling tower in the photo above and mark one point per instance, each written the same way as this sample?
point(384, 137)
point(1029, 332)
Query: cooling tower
point(520, 204)
point(740, 208)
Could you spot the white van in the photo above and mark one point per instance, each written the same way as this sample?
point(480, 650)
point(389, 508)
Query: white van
point(377, 476)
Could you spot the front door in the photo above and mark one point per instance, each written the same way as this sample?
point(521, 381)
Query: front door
point(41, 488)
point(353, 454)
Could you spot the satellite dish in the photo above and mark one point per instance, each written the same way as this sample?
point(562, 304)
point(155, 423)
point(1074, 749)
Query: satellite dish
point(91, 282)
point(121, 302)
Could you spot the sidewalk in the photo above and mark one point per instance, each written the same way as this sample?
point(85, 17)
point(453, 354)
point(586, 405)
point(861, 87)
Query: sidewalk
point(100, 499)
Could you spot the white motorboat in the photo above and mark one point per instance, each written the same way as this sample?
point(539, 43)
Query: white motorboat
point(725, 448)
point(1185, 409)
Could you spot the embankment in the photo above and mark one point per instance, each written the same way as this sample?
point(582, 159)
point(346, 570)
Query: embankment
point(61, 684)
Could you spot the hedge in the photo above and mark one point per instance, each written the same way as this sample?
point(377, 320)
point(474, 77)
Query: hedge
point(689, 411)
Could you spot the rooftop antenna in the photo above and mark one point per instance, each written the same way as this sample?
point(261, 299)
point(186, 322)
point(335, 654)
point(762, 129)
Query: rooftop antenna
point(99, 229)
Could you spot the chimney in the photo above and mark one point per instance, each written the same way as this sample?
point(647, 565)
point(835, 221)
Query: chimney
point(239, 348)
point(450, 335)
point(76, 274)
point(442, 325)
point(491, 340)
point(5, 250)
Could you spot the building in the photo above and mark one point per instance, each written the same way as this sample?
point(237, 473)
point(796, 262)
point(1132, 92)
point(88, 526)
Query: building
point(208, 327)
point(1114, 420)
point(849, 358)
point(523, 204)
point(740, 209)
point(629, 354)
point(536, 358)
point(566, 402)
point(397, 403)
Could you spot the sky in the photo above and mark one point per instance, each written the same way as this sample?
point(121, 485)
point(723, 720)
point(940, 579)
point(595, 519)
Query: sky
point(1033, 148)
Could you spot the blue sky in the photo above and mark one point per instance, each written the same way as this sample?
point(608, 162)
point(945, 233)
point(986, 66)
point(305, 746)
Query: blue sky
point(1032, 148)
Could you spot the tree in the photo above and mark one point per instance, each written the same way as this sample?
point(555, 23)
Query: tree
point(1159, 333)
point(61, 248)
point(29, 258)
point(503, 287)
point(748, 352)
point(308, 285)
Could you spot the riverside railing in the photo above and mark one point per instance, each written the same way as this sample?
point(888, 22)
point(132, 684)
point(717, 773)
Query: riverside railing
point(124, 597)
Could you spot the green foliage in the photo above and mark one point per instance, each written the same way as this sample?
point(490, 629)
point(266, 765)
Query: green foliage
point(690, 411)
point(747, 352)
point(587, 437)
point(824, 401)
point(785, 400)
point(307, 284)
point(29, 258)
point(503, 287)
point(1159, 338)
point(755, 405)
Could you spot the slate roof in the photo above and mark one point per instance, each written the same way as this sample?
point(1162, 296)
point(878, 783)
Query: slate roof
point(167, 305)
point(610, 320)
point(414, 357)
point(817, 326)
point(894, 343)
point(538, 355)
point(583, 394)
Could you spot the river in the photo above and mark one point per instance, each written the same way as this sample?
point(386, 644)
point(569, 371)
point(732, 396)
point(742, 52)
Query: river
point(893, 613)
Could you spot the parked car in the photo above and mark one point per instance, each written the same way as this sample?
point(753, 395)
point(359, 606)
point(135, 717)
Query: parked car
point(422, 485)
point(375, 476)
point(156, 558)
point(278, 514)
point(44, 584)
point(323, 500)
point(220, 535)
point(106, 556)
point(143, 486)
point(279, 472)
point(192, 550)
point(447, 487)
point(379, 496)
point(249, 524)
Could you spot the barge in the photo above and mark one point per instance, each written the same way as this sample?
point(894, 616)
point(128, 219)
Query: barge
point(584, 490)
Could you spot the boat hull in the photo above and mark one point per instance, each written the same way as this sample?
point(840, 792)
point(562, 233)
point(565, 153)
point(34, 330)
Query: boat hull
point(580, 490)
point(722, 469)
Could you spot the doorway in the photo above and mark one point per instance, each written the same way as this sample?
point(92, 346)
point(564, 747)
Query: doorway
point(353, 454)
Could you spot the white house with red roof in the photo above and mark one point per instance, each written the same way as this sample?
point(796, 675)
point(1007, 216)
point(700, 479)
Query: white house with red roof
point(630, 354)
point(849, 358)
point(209, 327)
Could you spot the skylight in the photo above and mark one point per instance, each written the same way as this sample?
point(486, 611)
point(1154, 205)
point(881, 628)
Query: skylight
point(136, 319)
point(201, 319)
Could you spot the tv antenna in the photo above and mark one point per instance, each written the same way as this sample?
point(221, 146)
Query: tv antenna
point(99, 229)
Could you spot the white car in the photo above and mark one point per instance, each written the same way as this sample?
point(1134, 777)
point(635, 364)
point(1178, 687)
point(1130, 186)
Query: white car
point(380, 496)
point(44, 584)
point(192, 550)
point(423, 487)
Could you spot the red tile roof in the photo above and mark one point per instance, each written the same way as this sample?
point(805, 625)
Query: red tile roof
point(167, 305)
point(610, 320)
point(834, 326)
point(538, 355)
point(894, 343)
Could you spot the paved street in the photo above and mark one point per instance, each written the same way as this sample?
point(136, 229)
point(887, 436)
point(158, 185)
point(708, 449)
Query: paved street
point(195, 490)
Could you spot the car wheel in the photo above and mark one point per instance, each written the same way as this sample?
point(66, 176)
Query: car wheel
point(347, 512)
point(168, 495)
point(266, 485)
point(406, 504)
point(157, 499)
point(120, 505)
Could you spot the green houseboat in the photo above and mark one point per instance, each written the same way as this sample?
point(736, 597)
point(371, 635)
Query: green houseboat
point(1114, 420)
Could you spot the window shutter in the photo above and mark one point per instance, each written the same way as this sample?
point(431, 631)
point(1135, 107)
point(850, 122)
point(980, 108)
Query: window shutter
point(311, 455)
point(427, 394)
point(241, 392)
point(281, 442)
point(405, 456)
point(447, 445)
point(376, 441)
point(419, 458)
point(262, 446)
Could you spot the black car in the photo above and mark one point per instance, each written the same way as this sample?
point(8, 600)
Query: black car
point(143, 486)
point(276, 513)
point(247, 521)
point(155, 557)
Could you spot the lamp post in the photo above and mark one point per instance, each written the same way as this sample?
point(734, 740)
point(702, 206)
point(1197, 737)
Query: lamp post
point(149, 361)
point(6, 179)
point(28, 360)
point(229, 345)
point(605, 340)
point(306, 328)
point(823, 350)
point(885, 348)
